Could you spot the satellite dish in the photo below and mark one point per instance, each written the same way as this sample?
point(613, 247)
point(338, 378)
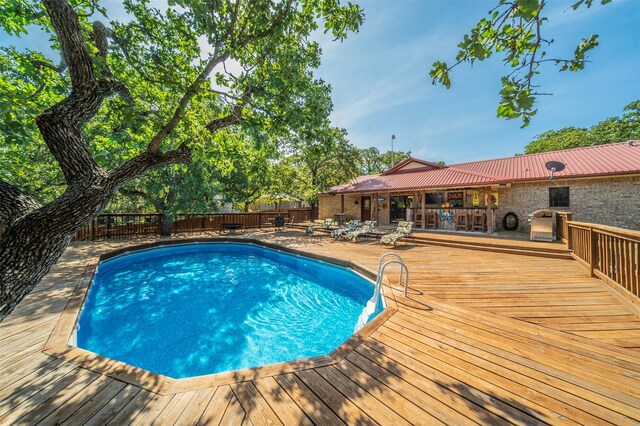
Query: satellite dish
point(554, 166)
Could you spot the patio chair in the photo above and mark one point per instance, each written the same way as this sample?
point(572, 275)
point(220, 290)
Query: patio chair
point(290, 222)
point(279, 222)
point(351, 226)
point(403, 231)
point(326, 225)
point(366, 228)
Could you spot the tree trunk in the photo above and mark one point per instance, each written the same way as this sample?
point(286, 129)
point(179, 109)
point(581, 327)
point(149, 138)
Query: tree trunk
point(314, 210)
point(167, 225)
point(246, 207)
point(35, 241)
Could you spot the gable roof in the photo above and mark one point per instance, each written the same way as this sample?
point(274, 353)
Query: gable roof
point(411, 163)
point(601, 160)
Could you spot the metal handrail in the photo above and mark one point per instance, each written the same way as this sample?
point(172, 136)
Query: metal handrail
point(386, 255)
point(402, 267)
point(381, 267)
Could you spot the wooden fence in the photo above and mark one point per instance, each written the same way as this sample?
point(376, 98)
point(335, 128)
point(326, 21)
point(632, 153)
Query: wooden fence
point(126, 225)
point(611, 254)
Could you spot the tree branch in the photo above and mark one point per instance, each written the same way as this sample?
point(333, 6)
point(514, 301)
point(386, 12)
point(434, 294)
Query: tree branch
point(234, 117)
point(74, 50)
point(147, 160)
point(15, 203)
point(60, 125)
point(135, 193)
point(181, 109)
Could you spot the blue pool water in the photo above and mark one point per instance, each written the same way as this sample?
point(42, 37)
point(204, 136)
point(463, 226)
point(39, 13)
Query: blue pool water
point(196, 309)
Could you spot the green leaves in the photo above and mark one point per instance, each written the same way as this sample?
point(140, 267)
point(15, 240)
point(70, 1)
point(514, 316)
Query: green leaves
point(257, 46)
point(516, 101)
point(373, 161)
point(610, 130)
point(440, 74)
point(579, 59)
point(587, 3)
point(514, 29)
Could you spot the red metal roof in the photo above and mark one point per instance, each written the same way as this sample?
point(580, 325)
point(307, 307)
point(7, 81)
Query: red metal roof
point(611, 159)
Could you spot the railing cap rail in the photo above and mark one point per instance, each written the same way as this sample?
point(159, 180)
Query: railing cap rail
point(628, 233)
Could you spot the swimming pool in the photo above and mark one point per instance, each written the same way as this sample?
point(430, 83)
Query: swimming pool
point(202, 308)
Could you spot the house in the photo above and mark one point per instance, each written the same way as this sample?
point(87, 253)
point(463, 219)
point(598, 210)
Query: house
point(599, 184)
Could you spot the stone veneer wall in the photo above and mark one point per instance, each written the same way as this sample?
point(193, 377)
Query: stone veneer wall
point(328, 205)
point(606, 201)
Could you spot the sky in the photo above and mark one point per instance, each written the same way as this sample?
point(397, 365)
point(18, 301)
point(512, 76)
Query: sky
point(380, 82)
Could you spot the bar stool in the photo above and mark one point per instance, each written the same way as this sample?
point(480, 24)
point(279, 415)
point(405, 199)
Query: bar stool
point(432, 221)
point(479, 222)
point(462, 222)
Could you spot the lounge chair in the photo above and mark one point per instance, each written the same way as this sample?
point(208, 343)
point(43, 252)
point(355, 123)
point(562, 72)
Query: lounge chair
point(351, 226)
point(326, 225)
point(366, 228)
point(403, 231)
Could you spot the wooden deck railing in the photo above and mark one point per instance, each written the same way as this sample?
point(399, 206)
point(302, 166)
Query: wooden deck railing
point(562, 227)
point(611, 254)
point(125, 225)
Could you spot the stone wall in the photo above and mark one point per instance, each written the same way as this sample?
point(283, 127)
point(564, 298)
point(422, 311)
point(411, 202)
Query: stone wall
point(384, 210)
point(328, 205)
point(606, 201)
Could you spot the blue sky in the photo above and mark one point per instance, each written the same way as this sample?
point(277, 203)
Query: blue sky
point(381, 85)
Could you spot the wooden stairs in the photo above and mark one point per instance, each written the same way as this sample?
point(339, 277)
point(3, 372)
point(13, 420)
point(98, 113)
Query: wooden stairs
point(492, 244)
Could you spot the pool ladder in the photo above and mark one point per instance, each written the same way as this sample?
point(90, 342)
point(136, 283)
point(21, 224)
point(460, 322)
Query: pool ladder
point(404, 272)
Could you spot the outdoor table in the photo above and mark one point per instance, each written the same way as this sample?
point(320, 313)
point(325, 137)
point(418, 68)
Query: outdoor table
point(340, 217)
point(230, 226)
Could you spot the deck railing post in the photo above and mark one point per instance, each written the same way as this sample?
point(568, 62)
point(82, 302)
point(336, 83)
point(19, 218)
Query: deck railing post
point(569, 237)
point(594, 250)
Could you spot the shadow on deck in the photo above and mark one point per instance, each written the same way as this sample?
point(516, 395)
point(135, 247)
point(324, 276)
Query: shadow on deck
point(485, 337)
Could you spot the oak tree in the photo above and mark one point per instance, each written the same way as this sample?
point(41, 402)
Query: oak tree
point(127, 97)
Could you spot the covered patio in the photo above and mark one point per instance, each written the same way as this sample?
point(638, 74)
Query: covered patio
point(498, 194)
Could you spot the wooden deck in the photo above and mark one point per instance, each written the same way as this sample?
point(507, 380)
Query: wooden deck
point(485, 338)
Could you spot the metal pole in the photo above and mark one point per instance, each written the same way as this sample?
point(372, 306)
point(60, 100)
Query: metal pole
point(393, 137)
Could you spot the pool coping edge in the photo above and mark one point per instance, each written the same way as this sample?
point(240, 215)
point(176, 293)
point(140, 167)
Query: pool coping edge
point(58, 345)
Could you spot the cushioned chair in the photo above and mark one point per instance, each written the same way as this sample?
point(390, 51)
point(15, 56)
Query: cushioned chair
point(367, 227)
point(326, 225)
point(351, 226)
point(403, 231)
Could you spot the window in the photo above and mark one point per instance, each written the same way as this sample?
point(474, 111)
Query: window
point(455, 199)
point(433, 198)
point(559, 197)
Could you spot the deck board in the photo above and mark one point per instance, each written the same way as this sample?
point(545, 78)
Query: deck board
point(484, 338)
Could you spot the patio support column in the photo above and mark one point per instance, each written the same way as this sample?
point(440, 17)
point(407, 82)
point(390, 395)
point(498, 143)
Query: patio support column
point(489, 212)
point(424, 209)
point(341, 203)
point(374, 206)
